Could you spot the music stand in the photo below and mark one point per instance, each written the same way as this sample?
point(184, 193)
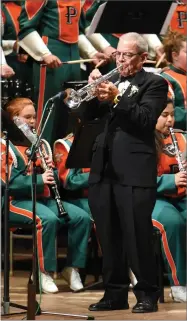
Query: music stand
point(122, 16)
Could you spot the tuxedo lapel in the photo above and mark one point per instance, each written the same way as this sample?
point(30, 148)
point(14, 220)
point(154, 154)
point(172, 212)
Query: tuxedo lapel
point(127, 84)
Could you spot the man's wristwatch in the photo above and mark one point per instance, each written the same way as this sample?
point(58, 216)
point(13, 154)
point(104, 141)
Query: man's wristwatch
point(117, 99)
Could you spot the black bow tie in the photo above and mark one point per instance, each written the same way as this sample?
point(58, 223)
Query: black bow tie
point(129, 78)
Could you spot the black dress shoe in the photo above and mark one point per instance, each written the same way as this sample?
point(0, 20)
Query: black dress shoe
point(106, 305)
point(145, 306)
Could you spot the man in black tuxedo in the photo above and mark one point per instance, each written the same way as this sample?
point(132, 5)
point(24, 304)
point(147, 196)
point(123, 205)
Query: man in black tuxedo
point(122, 191)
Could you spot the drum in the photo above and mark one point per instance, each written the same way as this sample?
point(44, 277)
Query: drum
point(12, 88)
point(4, 91)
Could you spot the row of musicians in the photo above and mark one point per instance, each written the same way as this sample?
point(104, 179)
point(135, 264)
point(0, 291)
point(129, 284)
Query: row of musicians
point(169, 215)
point(43, 30)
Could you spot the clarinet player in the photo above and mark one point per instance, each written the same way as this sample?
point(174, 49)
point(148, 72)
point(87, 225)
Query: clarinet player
point(47, 211)
point(123, 177)
point(169, 214)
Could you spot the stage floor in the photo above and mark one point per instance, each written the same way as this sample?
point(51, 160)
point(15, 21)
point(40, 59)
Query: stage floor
point(77, 303)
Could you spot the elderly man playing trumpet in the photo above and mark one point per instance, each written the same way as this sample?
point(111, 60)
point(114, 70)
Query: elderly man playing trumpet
point(123, 176)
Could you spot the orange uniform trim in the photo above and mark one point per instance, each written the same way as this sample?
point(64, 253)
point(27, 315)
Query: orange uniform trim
point(181, 80)
point(179, 19)
point(69, 15)
point(167, 251)
point(3, 17)
point(41, 89)
point(60, 156)
point(117, 35)
point(166, 161)
point(14, 12)
point(26, 213)
point(87, 5)
point(21, 150)
point(33, 7)
point(3, 163)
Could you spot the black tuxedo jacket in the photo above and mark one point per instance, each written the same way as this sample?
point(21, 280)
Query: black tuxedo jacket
point(127, 144)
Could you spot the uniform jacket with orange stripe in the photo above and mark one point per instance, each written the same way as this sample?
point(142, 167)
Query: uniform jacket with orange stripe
point(59, 20)
point(168, 166)
point(177, 79)
point(20, 185)
point(75, 181)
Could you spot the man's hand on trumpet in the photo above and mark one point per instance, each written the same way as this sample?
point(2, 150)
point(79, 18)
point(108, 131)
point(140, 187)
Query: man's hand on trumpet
point(107, 91)
point(104, 91)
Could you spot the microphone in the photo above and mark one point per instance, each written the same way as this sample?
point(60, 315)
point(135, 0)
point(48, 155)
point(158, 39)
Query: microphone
point(25, 130)
point(60, 95)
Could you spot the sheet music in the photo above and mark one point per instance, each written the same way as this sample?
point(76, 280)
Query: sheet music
point(96, 19)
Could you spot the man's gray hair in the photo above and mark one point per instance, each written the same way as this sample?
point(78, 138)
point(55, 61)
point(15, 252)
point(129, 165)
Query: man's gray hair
point(138, 39)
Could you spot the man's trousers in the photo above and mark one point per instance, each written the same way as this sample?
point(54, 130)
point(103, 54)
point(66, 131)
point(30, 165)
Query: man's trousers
point(122, 216)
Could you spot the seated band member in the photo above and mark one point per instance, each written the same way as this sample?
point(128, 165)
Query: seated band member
point(175, 74)
point(48, 220)
point(169, 214)
point(122, 190)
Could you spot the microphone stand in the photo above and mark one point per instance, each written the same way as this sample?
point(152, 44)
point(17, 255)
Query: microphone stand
point(32, 284)
point(6, 304)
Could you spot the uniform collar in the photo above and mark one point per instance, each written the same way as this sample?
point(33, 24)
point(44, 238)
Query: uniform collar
point(178, 70)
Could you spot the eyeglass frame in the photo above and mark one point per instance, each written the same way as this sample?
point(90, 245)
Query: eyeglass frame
point(125, 54)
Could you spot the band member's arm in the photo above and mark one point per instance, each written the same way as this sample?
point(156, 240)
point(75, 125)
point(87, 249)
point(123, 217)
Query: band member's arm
point(3, 163)
point(71, 179)
point(96, 40)
point(166, 186)
point(86, 48)
point(29, 20)
point(143, 116)
point(180, 111)
point(155, 45)
point(21, 185)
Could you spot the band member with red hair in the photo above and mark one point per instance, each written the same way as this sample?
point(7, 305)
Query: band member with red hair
point(47, 215)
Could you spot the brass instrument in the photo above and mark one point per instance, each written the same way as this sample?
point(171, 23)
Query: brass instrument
point(177, 151)
point(62, 211)
point(88, 92)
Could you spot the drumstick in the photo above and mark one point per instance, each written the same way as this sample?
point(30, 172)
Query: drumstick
point(99, 63)
point(70, 62)
point(160, 60)
point(79, 61)
point(150, 62)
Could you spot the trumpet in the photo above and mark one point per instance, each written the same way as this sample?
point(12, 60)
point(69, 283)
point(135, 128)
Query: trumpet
point(54, 187)
point(88, 92)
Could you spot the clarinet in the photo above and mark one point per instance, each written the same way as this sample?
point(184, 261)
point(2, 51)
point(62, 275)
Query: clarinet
point(177, 151)
point(61, 209)
point(32, 137)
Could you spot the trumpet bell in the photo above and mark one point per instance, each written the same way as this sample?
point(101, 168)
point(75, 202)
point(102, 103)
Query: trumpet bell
point(73, 100)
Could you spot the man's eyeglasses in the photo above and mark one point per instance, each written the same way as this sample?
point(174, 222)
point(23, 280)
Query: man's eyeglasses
point(118, 54)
